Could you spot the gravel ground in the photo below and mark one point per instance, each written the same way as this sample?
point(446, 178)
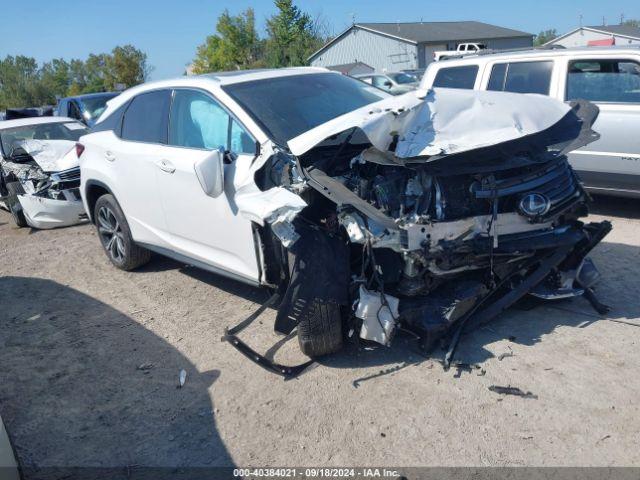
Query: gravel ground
point(90, 358)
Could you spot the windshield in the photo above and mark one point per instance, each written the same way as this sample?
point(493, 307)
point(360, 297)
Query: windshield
point(92, 107)
point(12, 137)
point(287, 106)
point(401, 78)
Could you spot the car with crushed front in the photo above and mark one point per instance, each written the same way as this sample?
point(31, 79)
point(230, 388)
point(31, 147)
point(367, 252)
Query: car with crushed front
point(39, 172)
point(364, 212)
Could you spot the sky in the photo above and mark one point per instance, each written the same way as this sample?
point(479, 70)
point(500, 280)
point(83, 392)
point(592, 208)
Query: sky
point(169, 31)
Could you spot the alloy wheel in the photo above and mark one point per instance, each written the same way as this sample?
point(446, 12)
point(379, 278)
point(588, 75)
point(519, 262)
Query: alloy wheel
point(111, 234)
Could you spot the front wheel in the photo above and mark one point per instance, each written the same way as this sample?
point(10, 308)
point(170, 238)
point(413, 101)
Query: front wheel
point(14, 206)
point(320, 330)
point(115, 236)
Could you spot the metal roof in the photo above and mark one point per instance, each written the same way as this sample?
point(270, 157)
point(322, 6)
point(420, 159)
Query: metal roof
point(626, 30)
point(420, 32)
point(346, 67)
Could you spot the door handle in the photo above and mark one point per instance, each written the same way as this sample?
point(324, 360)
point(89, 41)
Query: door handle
point(166, 166)
point(109, 156)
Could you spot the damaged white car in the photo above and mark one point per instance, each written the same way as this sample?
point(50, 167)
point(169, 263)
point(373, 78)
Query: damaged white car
point(364, 212)
point(39, 172)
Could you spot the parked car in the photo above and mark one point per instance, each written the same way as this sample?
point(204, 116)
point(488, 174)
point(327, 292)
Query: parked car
point(416, 73)
point(608, 77)
point(39, 173)
point(84, 108)
point(460, 51)
point(419, 212)
point(394, 83)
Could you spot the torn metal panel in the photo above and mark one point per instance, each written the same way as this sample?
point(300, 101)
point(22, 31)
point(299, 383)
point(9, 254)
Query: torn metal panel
point(444, 122)
point(51, 155)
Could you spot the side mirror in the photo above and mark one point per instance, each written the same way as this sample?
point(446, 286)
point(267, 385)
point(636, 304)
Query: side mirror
point(388, 84)
point(210, 173)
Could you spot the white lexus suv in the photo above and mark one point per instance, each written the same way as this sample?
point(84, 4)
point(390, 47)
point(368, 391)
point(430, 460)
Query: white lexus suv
point(365, 211)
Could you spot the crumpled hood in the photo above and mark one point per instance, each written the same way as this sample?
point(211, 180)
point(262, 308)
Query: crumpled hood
point(441, 122)
point(52, 155)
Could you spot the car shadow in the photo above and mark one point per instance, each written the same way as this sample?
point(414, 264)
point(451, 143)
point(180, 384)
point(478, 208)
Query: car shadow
point(86, 391)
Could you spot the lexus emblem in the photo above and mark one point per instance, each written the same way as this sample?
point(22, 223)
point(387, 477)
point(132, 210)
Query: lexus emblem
point(534, 205)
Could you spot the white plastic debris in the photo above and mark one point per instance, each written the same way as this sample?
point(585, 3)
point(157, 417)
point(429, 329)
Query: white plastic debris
point(183, 378)
point(378, 321)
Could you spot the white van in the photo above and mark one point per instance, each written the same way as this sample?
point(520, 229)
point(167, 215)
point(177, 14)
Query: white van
point(608, 77)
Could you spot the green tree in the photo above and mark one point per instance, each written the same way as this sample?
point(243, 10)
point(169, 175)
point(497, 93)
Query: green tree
point(55, 78)
point(235, 46)
point(545, 36)
point(19, 78)
point(632, 22)
point(126, 66)
point(293, 36)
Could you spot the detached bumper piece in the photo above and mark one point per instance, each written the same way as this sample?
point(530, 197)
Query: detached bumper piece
point(545, 265)
point(230, 335)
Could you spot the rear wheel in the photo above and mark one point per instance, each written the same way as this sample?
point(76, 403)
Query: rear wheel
point(115, 236)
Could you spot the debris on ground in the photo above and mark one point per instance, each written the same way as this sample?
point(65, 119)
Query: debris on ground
point(183, 378)
point(509, 390)
point(504, 355)
point(145, 366)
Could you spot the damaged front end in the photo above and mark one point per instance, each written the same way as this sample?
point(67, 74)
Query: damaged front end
point(435, 212)
point(41, 182)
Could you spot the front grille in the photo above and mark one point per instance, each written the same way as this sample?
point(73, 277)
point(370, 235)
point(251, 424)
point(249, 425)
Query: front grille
point(554, 179)
point(70, 175)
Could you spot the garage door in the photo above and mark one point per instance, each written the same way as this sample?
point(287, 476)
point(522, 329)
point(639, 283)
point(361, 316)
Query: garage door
point(428, 52)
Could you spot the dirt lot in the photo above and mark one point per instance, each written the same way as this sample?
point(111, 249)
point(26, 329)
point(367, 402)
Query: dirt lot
point(90, 358)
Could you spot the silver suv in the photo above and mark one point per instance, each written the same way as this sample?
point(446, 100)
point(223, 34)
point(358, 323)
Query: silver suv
point(608, 77)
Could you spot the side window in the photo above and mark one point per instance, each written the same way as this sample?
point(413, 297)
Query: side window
point(146, 118)
point(456, 77)
point(74, 111)
point(198, 121)
point(521, 77)
point(379, 81)
point(616, 81)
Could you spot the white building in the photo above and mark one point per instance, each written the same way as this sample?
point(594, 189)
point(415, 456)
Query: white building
point(601, 35)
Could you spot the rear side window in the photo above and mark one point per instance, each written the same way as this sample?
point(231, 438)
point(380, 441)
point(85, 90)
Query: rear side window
point(456, 77)
point(521, 77)
point(615, 81)
point(146, 118)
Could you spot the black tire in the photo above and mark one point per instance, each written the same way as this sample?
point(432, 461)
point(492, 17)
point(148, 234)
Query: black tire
point(15, 208)
point(320, 330)
point(18, 215)
point(115, 235)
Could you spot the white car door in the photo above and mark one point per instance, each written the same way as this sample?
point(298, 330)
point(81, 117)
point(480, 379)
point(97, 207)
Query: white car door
point(206, 229)
point(135, 155)
point(613, 84)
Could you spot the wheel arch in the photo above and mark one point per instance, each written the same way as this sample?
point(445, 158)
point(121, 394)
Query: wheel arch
point(93, 190)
